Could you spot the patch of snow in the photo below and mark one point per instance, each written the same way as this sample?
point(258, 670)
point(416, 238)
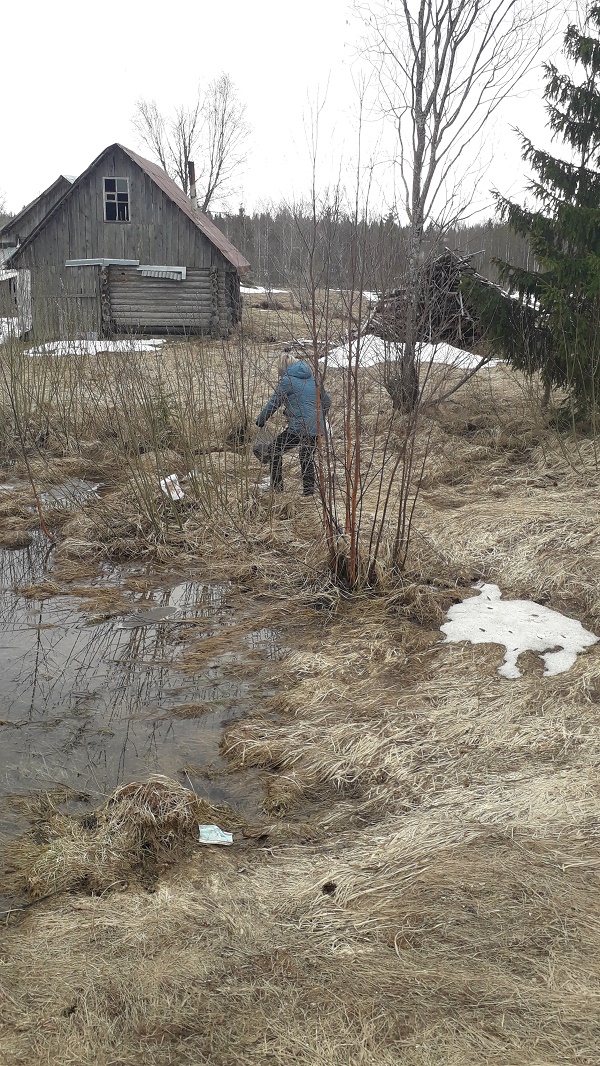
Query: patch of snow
point(371, 351)
point(455, 357)
point(374, 350)
point(371, 297)
point(247, 291)
point(521, 625)
point(89, 347)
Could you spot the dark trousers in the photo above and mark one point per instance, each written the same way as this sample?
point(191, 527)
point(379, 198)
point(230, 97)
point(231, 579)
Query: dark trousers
point(284, 443)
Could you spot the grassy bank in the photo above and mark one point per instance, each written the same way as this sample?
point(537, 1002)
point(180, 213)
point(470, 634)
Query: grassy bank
point(421, 887)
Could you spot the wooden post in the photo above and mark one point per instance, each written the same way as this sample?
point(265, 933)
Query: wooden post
point(215, 329)
point(105, 321)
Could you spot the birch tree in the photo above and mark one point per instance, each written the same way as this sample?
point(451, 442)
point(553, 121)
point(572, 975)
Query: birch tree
point(443, 68)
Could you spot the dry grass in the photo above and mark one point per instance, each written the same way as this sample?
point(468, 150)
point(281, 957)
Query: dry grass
point(422, 889)
point(141, 829)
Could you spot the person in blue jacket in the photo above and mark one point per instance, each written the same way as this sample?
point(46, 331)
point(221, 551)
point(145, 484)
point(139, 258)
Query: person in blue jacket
point(296, 391)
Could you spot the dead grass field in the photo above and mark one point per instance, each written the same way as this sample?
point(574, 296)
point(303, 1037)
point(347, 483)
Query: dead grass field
point(423, 887)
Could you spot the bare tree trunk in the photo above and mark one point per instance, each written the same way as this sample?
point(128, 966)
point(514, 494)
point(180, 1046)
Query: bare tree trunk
point(442, 70)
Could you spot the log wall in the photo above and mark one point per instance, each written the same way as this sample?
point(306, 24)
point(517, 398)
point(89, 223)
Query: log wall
point(200, 304)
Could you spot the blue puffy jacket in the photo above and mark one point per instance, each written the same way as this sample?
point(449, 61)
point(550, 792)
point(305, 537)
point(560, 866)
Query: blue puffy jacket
point(297, 391)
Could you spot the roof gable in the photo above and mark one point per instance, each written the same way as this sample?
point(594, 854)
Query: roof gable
point(54, 193)
point(171, 190)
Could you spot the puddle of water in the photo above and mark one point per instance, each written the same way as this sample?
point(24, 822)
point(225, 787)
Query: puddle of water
point(70, 493)
point(87, 706)
point(268, 641)
point(185, 602)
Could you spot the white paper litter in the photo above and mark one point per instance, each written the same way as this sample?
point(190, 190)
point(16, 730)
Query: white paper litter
point(374, 350)
point(521, 625)
point(211, 834)
point(171, 487)
point(91, 347)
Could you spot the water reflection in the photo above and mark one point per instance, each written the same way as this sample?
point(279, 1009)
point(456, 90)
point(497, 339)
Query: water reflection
point(87, 705)
point(70, 493)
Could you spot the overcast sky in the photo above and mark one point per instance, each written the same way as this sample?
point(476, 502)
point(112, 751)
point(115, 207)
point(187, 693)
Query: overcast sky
point(75, 70)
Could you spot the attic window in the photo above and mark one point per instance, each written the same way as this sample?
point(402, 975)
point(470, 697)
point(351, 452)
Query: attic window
point(116, 199)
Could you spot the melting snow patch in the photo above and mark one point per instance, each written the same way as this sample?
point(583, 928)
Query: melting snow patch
point(521, 625)
point(370, 297)
point(258, 290)
point(85, 347)
point(374, 350)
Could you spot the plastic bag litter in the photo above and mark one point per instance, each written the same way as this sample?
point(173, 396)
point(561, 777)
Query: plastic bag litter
point(171, 487)
point(211, 834)
point(263, 445)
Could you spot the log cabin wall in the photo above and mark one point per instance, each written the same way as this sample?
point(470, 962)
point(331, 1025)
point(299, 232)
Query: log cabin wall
point(156, 232)
point(198, 304)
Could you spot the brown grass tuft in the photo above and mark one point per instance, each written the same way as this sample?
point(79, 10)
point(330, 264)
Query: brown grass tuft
point(141, 828)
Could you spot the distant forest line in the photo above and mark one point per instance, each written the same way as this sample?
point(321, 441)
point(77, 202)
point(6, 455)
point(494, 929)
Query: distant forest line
point(279, 246)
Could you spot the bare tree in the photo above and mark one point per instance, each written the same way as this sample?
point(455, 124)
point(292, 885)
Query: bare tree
point(443, 67)
point(150, 127)
point(226, 134)
point(212, 132)
point(4, 214)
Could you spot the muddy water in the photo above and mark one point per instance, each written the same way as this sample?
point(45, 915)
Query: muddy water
point(90, 706)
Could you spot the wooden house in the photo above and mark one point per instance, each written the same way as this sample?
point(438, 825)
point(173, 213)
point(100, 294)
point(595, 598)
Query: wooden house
point(124, 250)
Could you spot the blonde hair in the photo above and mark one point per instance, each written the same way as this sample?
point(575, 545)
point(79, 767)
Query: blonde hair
point(285, 361)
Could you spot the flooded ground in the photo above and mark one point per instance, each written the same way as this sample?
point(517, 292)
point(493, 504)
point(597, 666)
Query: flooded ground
point(91, 704)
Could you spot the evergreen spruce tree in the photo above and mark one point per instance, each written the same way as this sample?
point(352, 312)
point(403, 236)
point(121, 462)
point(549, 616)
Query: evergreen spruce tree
point(553, 324)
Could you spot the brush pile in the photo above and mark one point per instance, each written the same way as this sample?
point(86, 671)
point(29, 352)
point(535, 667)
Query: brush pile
point(445, 314)
point(442, 312)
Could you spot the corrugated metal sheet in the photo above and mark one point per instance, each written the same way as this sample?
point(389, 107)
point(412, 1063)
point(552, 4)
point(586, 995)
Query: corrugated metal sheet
point(175, 273)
